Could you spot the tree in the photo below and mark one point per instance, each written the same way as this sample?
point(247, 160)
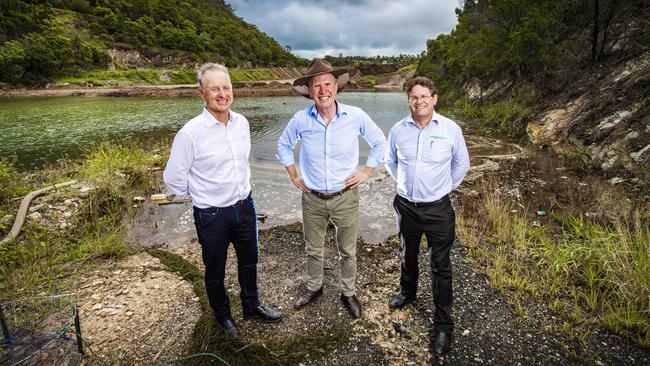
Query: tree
point(12, 58)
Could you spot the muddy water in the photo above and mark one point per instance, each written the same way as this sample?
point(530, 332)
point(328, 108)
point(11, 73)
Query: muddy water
point(279, 201)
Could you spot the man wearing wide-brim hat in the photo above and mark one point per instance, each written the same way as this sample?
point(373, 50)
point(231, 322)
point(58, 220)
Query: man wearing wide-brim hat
point(327, 174)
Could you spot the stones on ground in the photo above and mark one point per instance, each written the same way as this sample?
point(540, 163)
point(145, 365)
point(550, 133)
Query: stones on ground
point(7, 219)
point(125, 318)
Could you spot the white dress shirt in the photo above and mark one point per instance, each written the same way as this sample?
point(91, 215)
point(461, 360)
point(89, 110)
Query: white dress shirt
point(209, 160)
point(428, 162)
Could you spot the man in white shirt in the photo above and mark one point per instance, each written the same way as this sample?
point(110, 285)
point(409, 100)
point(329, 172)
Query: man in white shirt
point(428, 158)
point(209, 160)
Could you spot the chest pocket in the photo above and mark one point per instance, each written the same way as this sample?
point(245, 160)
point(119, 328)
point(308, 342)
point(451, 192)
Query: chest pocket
point(440, 151)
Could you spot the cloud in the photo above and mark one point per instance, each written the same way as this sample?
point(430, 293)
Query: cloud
point(361, 27)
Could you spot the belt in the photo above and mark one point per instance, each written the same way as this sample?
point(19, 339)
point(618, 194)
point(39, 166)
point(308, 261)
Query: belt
point(234, 205)
point(329, 196)
point(426, 204)
point(239, 203)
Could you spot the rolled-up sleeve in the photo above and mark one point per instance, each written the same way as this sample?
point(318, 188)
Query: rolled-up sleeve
point(460, 160)
point(178, 167)
point(287, 142)
point(391, 155)
point(375, 138)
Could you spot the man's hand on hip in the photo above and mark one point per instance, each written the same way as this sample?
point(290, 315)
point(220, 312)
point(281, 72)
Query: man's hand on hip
point(299, 183)
point(356, 179)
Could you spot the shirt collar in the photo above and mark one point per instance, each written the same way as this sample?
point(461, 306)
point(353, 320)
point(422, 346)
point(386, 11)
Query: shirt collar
point(210, 120)
point(434, 118)
point(341, 110)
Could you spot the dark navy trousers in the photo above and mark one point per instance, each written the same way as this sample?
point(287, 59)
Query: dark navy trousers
point(437, 221)
point(216, 228)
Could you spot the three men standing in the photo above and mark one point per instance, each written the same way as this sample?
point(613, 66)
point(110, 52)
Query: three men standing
point(329, 133)
point(428, 158)
point(426, 155)
point(209, 160)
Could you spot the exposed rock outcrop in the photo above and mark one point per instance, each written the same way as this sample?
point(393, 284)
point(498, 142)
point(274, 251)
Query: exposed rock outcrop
point(607, 125)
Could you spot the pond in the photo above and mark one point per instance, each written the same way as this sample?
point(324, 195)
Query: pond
point(36, 131)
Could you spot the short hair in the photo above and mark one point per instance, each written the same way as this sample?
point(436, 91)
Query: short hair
point(422, 81)
point(210, 66)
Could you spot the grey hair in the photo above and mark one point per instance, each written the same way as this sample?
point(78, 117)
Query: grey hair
point(210, 66)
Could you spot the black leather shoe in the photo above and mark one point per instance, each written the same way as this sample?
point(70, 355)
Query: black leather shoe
point(264, 313)
point(352, 303)
point(306, 297)
point(400, 300)
point(442, 343)
point(229, 326)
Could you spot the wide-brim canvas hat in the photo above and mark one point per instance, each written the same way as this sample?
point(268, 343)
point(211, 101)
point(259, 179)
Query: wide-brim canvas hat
point(318, 67)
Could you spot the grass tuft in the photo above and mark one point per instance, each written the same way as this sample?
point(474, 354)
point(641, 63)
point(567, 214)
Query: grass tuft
point(43, 257)
point(594, 271)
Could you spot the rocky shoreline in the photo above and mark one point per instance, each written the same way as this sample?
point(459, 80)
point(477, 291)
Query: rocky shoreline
point(241, 89)
point(272, 88)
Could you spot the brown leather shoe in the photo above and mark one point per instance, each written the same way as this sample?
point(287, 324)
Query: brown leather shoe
point(352, 303)
point(306, 297)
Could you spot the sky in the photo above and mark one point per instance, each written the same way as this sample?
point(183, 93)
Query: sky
point(350, 27)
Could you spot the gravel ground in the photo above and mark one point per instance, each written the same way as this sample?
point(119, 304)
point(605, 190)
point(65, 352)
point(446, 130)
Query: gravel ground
point(135, 312)
point(488, 331)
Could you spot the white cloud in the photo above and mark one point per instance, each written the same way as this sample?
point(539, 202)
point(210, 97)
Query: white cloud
point(363, 27)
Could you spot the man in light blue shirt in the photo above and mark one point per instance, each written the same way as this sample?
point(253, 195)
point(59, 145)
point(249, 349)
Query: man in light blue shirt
point(428, 158)
point(329, 133)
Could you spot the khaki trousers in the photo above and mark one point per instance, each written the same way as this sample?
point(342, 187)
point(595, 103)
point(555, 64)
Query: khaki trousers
point(343, 211)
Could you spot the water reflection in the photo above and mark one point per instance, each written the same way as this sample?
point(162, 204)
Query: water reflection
point(39, 130)
point(35, 131)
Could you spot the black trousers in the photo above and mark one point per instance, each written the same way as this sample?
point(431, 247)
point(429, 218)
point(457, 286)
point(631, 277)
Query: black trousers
point(437, 221)
point(216, 228)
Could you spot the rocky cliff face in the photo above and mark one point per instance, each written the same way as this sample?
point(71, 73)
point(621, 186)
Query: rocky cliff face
point(131, 59)
point(606, 126)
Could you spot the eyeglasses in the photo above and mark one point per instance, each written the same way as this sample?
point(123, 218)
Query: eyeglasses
point(414, 99)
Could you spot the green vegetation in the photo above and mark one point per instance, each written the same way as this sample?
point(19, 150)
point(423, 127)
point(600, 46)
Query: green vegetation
point(502, 50)
point(160, 76)
point(44, 256)
point(368, 81)
point(252, 74)
point(42, 39)
point(592, 269)
point(341, 60)
point(505, 117)
point(100, 77)
point(408, 68)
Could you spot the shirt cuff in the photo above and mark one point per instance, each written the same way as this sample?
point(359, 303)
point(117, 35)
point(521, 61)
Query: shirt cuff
point(372, 162)
point(286, 160)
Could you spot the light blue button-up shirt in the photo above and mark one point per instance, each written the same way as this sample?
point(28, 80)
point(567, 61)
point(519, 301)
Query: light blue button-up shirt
point(329, 153)
point(428, 162)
